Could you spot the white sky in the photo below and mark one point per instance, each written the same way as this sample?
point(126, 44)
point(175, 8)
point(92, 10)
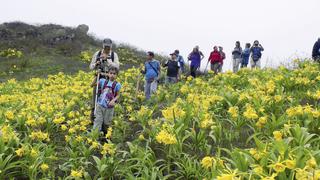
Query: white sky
point(285, 28)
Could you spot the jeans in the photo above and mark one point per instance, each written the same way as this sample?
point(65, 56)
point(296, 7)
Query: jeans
point(193, 70)
point(255, 64)
point(235, 64)
point(150, 87)
point(216, 67)
point(171, 80)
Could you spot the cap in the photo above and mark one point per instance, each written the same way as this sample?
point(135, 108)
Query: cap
point(107, 42)
point(176, 51)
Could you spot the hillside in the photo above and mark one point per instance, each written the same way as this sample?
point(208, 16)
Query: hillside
point(256, 124)
point(50, 49)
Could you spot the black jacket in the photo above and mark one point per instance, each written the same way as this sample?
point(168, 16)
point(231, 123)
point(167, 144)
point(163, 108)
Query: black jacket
point(316, 50)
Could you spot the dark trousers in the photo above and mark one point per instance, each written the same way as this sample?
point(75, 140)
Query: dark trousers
point(193, 70)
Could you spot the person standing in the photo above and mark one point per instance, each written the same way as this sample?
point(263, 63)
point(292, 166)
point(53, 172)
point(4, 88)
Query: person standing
point(223, 56)
point(195, 57)
point(180, 60)
point(173, 69)
point(256, 54)
point(109, 93)
point(152, 73)
point(236, 57)
point(215, 60)
point(316, 51)
point(101, 61)
point(245, 56)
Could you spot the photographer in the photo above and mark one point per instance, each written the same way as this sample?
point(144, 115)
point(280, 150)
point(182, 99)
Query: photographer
point(256, 53)
point(102, 60)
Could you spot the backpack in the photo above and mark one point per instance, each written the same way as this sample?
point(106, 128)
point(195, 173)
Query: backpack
point(256, 53)
point(111, 91)
point(100, 52)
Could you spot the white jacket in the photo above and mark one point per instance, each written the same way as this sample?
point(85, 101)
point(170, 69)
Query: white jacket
point(109, 62)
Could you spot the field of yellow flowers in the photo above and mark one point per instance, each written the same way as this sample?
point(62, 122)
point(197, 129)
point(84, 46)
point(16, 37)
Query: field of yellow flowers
point(256, 124)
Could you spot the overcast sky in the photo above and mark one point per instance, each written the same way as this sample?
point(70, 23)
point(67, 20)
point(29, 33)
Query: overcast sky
point(285, 28)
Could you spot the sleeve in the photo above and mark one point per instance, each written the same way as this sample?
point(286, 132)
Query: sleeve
point(181, 59)
point(93, 61)
point(101, 81)
point(262, 49)
point(118, 87)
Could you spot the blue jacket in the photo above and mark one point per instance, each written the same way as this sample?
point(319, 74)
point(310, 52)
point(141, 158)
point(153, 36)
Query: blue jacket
point(245, 56)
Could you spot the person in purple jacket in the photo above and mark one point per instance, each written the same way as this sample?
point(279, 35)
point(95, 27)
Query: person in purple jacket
point(195, 57)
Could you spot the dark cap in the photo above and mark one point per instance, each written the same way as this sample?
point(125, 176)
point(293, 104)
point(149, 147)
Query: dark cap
point(150, 53)
point(176, 51)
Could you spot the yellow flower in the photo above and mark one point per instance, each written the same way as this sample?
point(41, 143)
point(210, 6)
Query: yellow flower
point(277, 98)
point(95, 145)
point(44, 167)
point(250, 113)
point(278, 167)
point(166, 138)
point(207, 162)
point(258, 169)
point(141, 137)
point(226, 177)
point(108, 148)
point(109, 133)
point(9, 115)
point(316, 175)
point(312, 163)
point(76, 174)
point(234, 112)
point(277, 135)
point(20, 152)
point(64, 127)
point(34, 153)
point(290, 164)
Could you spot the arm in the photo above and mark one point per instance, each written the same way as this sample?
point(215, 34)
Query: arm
point(262, 49)
point(93, 63)
point(117, 89)
point(201, 55)
point(165, 64)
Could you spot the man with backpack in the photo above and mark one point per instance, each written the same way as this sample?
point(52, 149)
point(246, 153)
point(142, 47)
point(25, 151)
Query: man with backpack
point(152, 73)
point(215, 60)
point(256, 54)
point(173, 69)
point(316, 51)
point(195, 57)
point(180, 60)
point(101, 61)
point(236, 57)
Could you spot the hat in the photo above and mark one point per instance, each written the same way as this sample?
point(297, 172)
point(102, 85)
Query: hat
point(150, 53)
point(176, 51)
point(107, 42)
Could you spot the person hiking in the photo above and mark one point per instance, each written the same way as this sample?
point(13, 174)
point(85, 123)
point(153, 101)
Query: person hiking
point(245, 56)
point(256, 54)
point(195, 57)
point(152, 73)
point(101, 61)
point(108, 94)
point(316, 51)
point(215, 60)
point(173, 68)
point(222, 54)
point(180, 60)
point(236, 57)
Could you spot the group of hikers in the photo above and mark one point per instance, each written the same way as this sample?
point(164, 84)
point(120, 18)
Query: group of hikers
point(106, 90)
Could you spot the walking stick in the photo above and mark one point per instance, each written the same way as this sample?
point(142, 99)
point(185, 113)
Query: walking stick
point(96, 97)
point(205, 70)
